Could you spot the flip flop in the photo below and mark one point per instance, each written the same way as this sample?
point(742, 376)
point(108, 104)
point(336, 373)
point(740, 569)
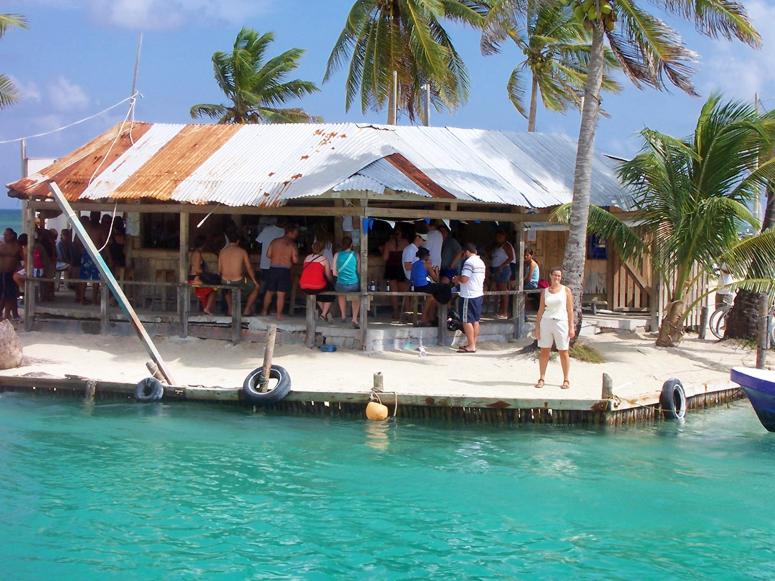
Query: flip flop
point(464, 350)
point(565, 384)
point(540, 383)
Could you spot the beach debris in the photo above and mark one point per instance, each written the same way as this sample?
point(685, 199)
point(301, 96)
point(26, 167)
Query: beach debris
point(10, 346)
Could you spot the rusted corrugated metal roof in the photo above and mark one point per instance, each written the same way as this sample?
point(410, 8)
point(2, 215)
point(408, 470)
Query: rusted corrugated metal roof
point(266, 165)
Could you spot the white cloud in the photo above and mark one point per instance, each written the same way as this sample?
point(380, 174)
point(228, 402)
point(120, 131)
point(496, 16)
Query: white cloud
point(66, 95)
point(29, 91)
point(164, 14)
point(739, 71)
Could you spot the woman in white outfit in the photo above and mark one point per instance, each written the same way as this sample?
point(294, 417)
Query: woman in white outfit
point(554, 324)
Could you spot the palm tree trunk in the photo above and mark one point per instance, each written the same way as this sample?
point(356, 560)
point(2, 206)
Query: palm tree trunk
point(671, 330)
point(743, 319)
point(531, 120)
point(576, 248)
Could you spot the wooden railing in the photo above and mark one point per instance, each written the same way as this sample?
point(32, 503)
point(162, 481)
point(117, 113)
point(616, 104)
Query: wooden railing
point(183, 302)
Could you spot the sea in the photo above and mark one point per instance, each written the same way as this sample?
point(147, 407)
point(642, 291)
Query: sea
point(120, 490)
point(11, 219)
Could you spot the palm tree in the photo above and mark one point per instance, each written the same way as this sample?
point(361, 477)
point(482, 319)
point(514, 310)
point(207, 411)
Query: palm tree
point(8, 93)
point(691, 196)
point(381, 37)
point(650, 53)
point(743, 320)
point(556, 48)
point(254, 87)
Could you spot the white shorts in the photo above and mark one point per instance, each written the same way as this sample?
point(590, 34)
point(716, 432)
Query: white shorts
point(554, 332)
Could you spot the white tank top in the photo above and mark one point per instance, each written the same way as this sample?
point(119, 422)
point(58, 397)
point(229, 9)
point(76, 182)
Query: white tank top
point(498, 257)
point(554, 304)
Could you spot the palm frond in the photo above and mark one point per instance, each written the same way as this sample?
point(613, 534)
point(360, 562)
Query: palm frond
point(717, 18)
point(208, 110)
point(516, 91)
point(11, 21)
point(8, 92)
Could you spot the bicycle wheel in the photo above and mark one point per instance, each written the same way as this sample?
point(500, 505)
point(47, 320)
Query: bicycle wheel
point(718, 322)
point(772, 331)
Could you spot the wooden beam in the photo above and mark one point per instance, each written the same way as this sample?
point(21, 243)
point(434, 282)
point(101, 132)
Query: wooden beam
point(183, 270)
point(441, 214)
point(29, 287)
point(123, 302)
point(311, 317)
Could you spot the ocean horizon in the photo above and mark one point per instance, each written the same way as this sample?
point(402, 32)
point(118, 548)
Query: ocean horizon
point(10, 218)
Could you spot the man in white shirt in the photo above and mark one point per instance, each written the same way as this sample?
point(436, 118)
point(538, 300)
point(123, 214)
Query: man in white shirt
point(270, 233)
point(433, 243)
point(409, 255)
point(471, 281)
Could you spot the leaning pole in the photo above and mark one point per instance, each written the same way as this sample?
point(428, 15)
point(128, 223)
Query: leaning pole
point(111, 281)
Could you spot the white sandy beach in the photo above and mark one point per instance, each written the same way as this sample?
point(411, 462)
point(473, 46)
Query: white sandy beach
point(637, 367)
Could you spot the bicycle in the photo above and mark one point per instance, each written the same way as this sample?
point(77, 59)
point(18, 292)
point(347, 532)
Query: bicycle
point(718, 321)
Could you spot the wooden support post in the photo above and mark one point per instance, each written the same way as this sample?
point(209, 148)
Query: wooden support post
point(364, 276)
point(104, 320)
point(29, 287)
point(271, 337)
point(443, 312)
point(111, 281)
point(311, 320)
point(236, 314)
point(764, 333)
point(183, 269)
point(185, 291)
point(378, 384)
point(518, 311)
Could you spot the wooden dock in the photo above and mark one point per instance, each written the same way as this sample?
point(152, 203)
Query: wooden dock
point(488, 410)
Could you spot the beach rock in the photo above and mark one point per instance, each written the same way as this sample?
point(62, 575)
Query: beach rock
point(10, 346)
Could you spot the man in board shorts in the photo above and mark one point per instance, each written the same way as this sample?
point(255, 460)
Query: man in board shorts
point(282, 254)
point(471, 281)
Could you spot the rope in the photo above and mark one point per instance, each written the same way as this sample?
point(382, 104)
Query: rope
point(132, 97)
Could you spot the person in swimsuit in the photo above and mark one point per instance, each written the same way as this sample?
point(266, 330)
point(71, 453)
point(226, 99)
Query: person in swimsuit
point(197, 274)
point(316, 278)
point(9, 263)
point(89, 270)
point(282, 254)
point(235, 270)
point(394, 269)
point(554, 325)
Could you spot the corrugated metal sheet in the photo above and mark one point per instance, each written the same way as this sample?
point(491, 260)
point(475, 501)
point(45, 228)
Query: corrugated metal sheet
point(268, 164)
point(265, 165)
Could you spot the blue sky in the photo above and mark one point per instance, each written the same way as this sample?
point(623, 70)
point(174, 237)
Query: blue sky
point(76, 58)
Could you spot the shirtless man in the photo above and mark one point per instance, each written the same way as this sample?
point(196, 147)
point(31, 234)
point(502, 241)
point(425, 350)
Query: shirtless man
point(9, 264)
point(235, 269)
point(282, 255)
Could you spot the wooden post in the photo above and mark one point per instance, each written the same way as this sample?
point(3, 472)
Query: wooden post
point(443, 312)
point(608, 387)
point(236, 314)
point(183, 269)
point(123, 302)
point(29, 287)
point(764, 333)
point(104, 321)
point(271, 337)
point(518, 311)
point(364, 275)
point(703, 330)
point(311, 320)
point(186, 310)
point(379, 383)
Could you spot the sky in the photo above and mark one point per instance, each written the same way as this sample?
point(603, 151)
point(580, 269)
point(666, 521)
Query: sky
point(76, 59)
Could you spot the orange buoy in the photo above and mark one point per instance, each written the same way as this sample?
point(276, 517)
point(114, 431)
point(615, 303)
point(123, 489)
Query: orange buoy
point(376, 411)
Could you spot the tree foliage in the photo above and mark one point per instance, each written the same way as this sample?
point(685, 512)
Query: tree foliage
point(8, 92)
point(255, 87)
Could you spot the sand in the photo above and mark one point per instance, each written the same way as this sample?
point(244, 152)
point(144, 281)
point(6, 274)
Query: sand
point(637, 367)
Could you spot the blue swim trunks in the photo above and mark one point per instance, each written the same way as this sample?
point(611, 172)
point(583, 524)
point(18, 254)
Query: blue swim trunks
point(89, 270)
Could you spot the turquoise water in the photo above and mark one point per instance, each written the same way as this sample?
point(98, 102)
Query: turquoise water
point(11, 219)
point(121, 490)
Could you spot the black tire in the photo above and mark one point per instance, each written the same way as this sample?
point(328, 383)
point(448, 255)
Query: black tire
point(718, 322)
point(149, 390)
point(252, 383)
point(673, 400)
